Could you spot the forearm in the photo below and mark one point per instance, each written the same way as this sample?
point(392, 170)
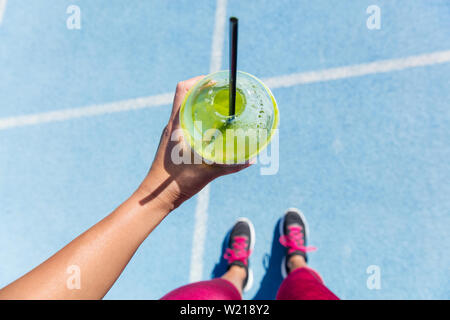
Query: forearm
point(100, 254)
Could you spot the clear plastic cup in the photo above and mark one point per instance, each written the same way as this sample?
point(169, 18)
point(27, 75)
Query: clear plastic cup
point(215, 135)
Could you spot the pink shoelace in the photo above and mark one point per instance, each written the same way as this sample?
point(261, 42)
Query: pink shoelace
point(294, 240)
point(238, 252)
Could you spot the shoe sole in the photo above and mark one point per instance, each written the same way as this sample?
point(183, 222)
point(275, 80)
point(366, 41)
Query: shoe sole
point(249, 283)
point(284, 272)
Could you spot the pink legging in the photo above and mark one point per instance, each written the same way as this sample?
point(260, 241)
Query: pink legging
point(301, 284)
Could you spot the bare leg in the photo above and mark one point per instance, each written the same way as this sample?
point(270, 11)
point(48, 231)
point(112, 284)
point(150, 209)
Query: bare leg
point(236, 275)
point(296, 262)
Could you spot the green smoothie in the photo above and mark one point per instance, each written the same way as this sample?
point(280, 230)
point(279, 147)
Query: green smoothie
point(216, 136)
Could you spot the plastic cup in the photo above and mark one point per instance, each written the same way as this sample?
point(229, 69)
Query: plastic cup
point(215, 135)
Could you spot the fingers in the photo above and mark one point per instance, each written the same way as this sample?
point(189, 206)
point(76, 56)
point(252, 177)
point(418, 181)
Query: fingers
point(181, 90)
point(228, 169)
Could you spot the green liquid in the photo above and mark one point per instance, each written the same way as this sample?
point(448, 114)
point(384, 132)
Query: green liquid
point(216, 136)
point(211, 108)
point(213, 117)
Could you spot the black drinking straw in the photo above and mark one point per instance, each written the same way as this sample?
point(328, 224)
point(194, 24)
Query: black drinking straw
point(233, 64)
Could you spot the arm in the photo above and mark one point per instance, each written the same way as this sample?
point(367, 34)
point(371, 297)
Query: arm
point(102, 252)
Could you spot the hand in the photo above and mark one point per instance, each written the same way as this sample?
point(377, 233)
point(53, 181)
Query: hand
point(172, 183)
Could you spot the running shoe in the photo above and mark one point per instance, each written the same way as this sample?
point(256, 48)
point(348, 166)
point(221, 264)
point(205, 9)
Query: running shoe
point(294, 233)
point(241, 242)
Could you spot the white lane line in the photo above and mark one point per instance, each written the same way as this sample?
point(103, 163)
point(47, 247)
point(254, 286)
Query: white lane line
point(358, 70)
point(2, 9)
point(94, 110)
point(199, 236)
point(218, 36)
point(201, 209)
point(274, 82)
